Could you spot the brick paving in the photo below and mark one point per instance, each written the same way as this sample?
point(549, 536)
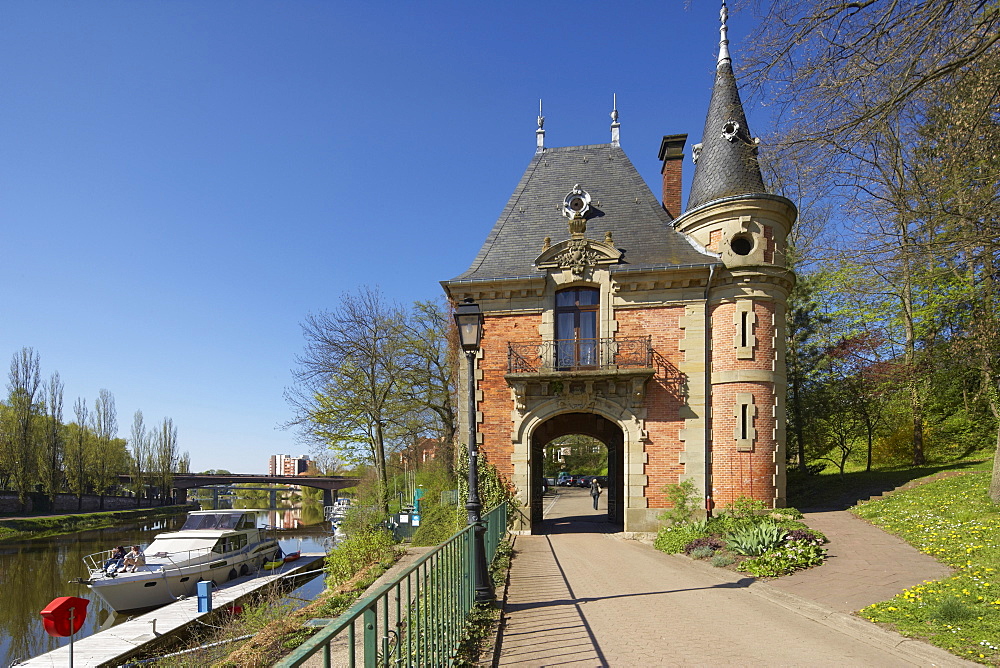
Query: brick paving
point(579, 595)
point(864, 565)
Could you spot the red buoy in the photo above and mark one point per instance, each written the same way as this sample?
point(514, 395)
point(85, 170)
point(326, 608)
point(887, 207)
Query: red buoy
point(65, 615)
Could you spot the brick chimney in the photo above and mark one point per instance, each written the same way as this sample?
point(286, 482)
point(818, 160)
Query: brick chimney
point(672, 155)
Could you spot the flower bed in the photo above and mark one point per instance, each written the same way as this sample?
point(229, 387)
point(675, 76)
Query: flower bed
point(747, 539)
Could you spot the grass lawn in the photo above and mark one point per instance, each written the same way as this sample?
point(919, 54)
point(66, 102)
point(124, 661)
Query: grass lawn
point(830, 490)
point(954, 521)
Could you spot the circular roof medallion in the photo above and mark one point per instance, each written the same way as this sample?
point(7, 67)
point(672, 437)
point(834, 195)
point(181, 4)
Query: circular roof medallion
point(577, 202)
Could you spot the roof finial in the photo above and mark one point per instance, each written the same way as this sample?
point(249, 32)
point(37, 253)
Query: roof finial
point(723, 35)
point(615, 137)
point(540, 133)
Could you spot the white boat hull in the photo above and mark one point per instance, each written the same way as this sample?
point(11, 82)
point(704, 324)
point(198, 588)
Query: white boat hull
point(154, 585)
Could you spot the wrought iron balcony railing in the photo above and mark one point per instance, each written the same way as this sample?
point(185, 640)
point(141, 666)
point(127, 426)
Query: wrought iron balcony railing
point(579, 355)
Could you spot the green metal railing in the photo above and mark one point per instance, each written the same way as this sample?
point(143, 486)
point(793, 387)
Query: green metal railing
point(418, 619)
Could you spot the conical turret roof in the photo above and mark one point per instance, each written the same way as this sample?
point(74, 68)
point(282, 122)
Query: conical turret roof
point(727, 162)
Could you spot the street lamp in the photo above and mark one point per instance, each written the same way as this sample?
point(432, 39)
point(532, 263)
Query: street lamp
point(469, 318)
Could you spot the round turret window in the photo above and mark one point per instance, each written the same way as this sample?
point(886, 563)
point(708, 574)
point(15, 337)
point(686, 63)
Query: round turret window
point(741, 245)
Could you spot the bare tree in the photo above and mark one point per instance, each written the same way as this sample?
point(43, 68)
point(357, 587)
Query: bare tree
point(431, 375)
point(840, 69)
point(350, 392)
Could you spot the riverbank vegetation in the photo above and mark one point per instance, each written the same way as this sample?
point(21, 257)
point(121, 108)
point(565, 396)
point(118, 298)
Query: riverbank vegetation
point(53, 525)
point(274, 625)
point(953, 520)
point(42, 455)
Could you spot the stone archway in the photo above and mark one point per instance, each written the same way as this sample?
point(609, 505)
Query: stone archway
point(588, 424)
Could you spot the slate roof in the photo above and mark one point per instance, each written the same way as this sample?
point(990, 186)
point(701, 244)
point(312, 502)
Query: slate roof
point(620, 202)
point(725, 168)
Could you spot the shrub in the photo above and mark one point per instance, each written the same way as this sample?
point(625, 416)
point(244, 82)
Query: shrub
point(357, 553)
point(807, 536)
point(702, 552)
point(722, 560)
point(784, 560)
point(682, 500)
point(785, 514)
point(672, 539)
point(711, 542)
point(438, 523)
point(756, 539)
point(745, 508)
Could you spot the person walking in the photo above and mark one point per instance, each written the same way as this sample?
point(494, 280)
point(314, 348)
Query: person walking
point(595, 490)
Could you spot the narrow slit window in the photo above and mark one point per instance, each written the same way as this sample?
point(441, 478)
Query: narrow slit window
point(744, 320)
point(744, 412)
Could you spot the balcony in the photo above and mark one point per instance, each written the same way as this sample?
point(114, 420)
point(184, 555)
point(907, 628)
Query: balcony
point(579, 356)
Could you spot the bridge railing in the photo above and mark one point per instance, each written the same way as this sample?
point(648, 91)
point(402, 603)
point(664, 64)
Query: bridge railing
point(417, 619)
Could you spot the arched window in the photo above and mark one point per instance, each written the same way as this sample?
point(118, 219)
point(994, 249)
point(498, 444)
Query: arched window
point(576, 327)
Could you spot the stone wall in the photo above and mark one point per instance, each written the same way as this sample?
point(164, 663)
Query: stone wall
point(64, 503)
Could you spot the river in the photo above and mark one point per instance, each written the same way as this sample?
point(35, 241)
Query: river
point(33, 572)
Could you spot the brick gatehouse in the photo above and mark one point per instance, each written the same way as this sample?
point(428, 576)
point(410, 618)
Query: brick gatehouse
point(655, 329)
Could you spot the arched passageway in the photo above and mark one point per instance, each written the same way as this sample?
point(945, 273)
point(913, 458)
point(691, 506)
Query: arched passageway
point(588, 424)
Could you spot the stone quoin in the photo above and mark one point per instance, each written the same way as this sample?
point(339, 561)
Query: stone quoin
point(656, 330)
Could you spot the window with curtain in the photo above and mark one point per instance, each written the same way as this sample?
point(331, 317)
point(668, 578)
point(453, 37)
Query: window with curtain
point(576, 328)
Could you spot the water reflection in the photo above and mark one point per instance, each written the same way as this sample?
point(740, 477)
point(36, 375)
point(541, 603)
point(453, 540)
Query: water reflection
point(306, 513)
point(33, 572)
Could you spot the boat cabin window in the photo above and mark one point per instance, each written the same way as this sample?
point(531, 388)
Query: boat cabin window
point(213, 521)
point(230, 544)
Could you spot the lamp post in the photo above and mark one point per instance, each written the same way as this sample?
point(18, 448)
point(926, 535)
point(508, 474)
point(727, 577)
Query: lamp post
point(469, 318)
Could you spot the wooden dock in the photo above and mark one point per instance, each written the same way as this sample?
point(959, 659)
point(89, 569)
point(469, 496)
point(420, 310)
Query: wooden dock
point(114, 646)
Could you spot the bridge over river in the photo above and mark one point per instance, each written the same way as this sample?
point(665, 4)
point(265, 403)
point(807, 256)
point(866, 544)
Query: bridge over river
point(182, 482)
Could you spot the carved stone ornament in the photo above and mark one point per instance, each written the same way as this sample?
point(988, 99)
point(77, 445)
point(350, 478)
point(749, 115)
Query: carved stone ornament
point(577, 401)
point(578, 255)
point(519, 395)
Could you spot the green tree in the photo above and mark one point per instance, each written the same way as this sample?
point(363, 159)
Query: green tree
point(108, 459)
point(23, 408)
point(855, 87)
point(50, 454)
point(804, 360)
point(165, 456)
point(141, 459)
point(78, 447)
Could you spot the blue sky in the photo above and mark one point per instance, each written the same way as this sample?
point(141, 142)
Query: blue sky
point(181, 183)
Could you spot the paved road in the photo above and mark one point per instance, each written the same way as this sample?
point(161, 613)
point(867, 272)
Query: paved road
point(580, 596)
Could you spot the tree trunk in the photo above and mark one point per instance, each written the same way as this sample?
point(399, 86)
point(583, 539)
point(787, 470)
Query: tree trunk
point(918, 424)
point(995, 480)
point(380, 469)
point(800, 445)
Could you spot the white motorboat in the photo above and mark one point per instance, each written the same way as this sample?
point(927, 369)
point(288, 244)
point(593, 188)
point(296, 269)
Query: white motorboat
point(215, 545)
